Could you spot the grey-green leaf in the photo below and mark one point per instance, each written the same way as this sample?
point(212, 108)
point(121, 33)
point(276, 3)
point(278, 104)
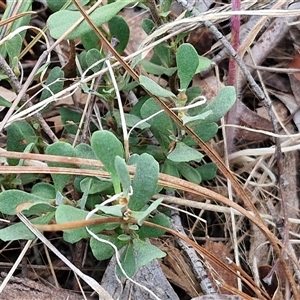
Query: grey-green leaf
point(149, 232)
point(141, 216)
point(184, 153)
point(187, 63)
point(94, 186)
point(144, 183)
point(208, 171)
point(14, 46)
point(19, 135)
point(10, 199)
point(205, 131)
point(145, 252)
point(56, 5)
point(107, 147)
point(221, 104)
point(123, 173)
point(161, 124)
point(86, 151)
point(67, 213)
point(204, 63)
point(45, 190)
point(20, 231)
point(54, 82)
point(99, 16)
point(113, 210)
point(154, 88)
point(118, 28)
point(128, 261)
point(62, 149)
point(189, 173)
point(92, 57)
point(102, 250)
point(156, 69)
point(199, 117)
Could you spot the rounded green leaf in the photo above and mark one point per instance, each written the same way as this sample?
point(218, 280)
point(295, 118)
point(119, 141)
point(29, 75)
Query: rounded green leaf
point(125, 237)
point(45, 190)
point(118, 28)
point(19, 135)
point(62, 149)
point(151, 232)
point(113, 210)
point(54, 84)
point(194, 119)
point(56, 5)
point(184, 153)
point(142, 215)
point(161, 125)
point(221, 104)
point(189, 173)
point(205, 131)
point(155, 69)
point(106, 146)
point(128, 261)
point(86, 151)
point(204, 63)
point(103, 250)
point(10, 199)
point(20, 231)
point(99, 16)
point(92, 201)
point(162, 55)
point(148, 25)
point(145, 252)
point(154, 88)
point(82, 63)
point(14, 46)
point(170, 168)
point(93, 56)
point(90, 40)
point(144, 183)
point(94, 186)
point(38, 208)
point(187, 60)
point(208, 171)
point(67, 213)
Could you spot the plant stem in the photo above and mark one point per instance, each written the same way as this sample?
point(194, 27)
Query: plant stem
point(235, 41)
point(153, 11)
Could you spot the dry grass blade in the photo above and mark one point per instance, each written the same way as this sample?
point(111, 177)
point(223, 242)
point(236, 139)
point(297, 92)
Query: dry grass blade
point(13, 269)
point(16, 17)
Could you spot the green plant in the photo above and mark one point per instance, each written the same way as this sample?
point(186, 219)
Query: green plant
point(118, 195)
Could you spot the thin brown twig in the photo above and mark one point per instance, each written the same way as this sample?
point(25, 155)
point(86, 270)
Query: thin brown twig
point(17, 88)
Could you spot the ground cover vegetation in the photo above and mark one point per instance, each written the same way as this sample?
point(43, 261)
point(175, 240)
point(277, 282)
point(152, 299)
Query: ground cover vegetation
point(149, 149)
